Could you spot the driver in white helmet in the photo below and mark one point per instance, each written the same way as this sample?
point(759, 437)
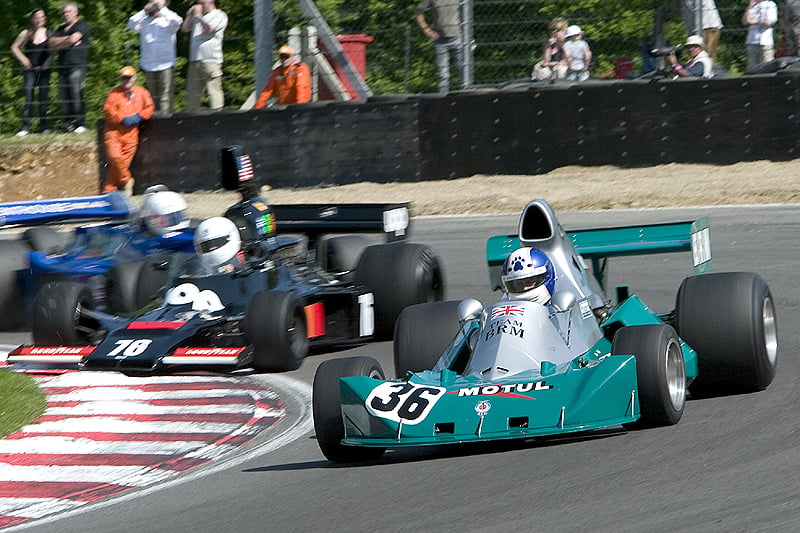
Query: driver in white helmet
point(528, 274)
point(163, 211)
point(218, 246)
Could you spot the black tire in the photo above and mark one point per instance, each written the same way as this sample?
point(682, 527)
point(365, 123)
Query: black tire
point(153, 275)
point(275, 323)
point(399, 275)
point(327, 405)
point(13, 261)
point(660, 371)
point(121, 286)
point(43, 239)
point(57, 319)
point(415, 351)
point(728, 318)
point(340, 254)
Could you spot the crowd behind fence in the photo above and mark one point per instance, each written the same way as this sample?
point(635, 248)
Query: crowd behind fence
point(509, 36)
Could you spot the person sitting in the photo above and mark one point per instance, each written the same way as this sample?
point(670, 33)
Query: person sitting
point(218, 248)
point(553, 65)
point(163, 211)
point(700, 64)
point(528, 274)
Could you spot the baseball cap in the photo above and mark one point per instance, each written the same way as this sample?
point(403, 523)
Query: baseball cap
point(127, 72)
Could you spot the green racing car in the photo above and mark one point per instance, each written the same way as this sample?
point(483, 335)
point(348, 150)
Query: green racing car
point(520, 368)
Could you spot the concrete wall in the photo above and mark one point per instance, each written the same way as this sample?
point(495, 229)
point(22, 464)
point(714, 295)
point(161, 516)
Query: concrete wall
point(528, 128)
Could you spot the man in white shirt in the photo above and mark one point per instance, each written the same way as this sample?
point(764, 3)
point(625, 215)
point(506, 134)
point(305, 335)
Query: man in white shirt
point(207, 24)
point(157, 26)
point(760, 17)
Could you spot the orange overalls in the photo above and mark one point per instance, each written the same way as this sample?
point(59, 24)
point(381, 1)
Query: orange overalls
point(121, 141)
point(290, 85)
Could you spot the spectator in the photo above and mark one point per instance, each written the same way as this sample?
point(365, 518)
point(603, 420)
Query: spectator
point(791, 26)
point(700, 64)
point(446, 36)
point(126, 106)
point(207, 24)
point(553, 65)
point(760, 17)
point(710, 23)
point(577, 53)
point(72, 42)
point(290, 83)
point(157, 25)
point(35, 61)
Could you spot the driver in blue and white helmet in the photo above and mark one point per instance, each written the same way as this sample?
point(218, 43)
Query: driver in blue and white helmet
point(528, 274)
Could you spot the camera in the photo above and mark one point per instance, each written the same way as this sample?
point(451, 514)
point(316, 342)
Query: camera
point(666, 50)
point(152, 9)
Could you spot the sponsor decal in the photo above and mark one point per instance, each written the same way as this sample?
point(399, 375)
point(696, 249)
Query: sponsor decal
point(509, 389)
point(59, 207)
point(53, 350)
point(396, 221)
point(207, 352)
point(506, 311)
point(483, 407)
point(509, 327)
point(586, 309)
point(406, 403)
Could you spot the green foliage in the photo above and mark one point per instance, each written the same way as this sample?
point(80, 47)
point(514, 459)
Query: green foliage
point(21, 401)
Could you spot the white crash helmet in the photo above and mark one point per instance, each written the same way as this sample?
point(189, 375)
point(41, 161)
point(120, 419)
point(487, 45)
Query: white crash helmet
point(217, 241)
point(163, 211)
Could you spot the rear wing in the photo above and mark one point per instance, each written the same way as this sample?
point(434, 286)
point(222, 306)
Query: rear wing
point(114, 205)
point(540, 229)
point(318, 219)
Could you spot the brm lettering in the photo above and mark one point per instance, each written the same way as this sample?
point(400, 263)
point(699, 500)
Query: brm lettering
point(490, 390)
point(509, 327)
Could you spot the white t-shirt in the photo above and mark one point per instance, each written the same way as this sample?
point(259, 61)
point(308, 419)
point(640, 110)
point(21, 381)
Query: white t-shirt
point(767, 13)
point(156, 38)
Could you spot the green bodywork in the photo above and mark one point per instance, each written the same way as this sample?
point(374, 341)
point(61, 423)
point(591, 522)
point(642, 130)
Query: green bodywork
point(593, 391)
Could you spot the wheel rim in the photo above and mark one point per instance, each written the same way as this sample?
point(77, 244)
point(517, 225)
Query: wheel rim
point(297, 334)
point(676, 375)
point(770, 330)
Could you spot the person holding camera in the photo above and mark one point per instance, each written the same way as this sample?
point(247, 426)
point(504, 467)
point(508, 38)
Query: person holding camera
point(157, 26)
point(207, 24)
point(700, 64)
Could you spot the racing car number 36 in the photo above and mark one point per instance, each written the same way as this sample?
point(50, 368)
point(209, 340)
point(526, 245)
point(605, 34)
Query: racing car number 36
point(405, 402)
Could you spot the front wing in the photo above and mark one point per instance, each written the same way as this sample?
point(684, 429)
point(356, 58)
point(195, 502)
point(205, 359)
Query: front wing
point(425, 411)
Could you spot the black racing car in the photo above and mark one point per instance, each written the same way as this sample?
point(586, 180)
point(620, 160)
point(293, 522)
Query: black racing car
point(312, 275)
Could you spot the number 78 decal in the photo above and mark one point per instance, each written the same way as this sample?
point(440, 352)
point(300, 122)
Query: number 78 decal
point(403, 402)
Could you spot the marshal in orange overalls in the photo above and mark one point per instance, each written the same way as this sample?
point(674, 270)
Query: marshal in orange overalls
point(120, 140)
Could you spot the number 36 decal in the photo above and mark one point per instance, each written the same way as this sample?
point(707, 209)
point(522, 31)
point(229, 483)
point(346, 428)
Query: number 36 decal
point(406, 402)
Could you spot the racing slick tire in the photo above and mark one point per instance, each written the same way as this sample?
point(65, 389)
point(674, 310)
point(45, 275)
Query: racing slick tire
point(57, 319)
point(275, 324)
point(121, 285)
point(660, 372)
point(339, 254)
point(152, 277)
point(13, 262)
point(421, 334)
point(43, 239)
point(728, 318)
point(327, 408)
point(399, 275)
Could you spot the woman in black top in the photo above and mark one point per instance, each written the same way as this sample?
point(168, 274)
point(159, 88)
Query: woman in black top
point(31, 50)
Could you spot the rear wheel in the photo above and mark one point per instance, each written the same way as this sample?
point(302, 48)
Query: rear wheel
point(57, 315)
point(728, 318)
point(275, 323)
point(660, 371)
point(121, 285)
point(327, 405)
point(421, 335)
point(339, 254)
point(399, 275)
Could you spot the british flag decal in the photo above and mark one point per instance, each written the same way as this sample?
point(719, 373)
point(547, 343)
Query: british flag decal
point(507, 310)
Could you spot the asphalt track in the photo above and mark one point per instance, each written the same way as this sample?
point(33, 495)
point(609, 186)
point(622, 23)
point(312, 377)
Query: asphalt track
point(729, 465)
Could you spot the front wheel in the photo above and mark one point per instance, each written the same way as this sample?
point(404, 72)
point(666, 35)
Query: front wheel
point(422, 334)
point(58, 318)
point(728, 318)
point(660, 371)
point(327, 406)
point(275, 323)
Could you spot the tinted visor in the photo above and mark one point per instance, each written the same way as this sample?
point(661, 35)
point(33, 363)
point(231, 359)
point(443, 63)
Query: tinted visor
point(166, 221)
point(213, 244)
point(525, 284)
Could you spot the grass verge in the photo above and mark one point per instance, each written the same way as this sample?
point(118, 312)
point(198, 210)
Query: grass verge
point(21, 401)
